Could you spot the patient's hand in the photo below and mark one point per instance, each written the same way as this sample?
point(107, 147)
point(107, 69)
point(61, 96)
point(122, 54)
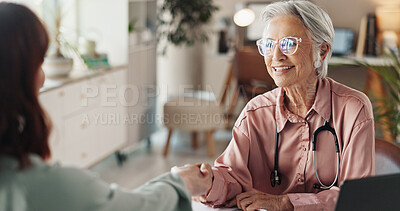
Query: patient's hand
point(258, 200)
point(197, 177)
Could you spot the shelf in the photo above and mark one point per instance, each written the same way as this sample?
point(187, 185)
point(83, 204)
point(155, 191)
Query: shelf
point(75, 76)
point(141, 47)
point(132, 1)
point(352, 60)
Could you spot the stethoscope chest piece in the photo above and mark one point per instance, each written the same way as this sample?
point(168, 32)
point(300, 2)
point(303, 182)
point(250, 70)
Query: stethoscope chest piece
point(275, 178)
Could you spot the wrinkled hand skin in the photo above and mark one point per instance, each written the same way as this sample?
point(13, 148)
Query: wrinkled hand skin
point(257, 200)
point(197, 178)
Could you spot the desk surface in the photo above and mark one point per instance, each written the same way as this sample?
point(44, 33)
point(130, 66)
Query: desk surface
point(197, 206)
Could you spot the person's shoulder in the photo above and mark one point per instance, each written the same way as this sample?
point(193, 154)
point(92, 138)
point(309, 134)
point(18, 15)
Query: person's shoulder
point(61, 188)
point(12, 191)
point(268, 99)
point(351, 97)
point(263, 103)
point(44, 173)
point(342, 90)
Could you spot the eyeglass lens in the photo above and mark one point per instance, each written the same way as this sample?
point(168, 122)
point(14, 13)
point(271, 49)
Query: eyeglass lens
point(287, 45)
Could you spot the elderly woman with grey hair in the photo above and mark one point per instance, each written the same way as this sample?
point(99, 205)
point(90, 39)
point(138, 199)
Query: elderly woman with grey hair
point(294, 145)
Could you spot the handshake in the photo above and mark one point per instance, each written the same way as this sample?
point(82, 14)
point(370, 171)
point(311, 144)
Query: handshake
point(198, 178)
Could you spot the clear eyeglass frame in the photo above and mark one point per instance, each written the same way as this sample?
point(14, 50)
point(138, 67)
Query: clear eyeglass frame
point(287, 45)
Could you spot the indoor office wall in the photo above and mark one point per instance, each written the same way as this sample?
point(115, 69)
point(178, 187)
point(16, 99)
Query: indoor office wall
point(348, 13)
point(344, 14)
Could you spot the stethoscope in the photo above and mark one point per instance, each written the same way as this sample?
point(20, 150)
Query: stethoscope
point(275, 176)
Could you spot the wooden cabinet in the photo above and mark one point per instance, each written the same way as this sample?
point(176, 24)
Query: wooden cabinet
point(100, 114)
point(88, 118)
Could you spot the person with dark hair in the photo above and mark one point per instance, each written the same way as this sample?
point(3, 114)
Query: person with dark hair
point(27, 182)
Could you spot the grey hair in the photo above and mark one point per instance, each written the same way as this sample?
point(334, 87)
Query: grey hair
point(316, 20)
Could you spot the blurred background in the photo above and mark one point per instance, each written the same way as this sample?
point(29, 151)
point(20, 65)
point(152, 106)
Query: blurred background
point(135, 87)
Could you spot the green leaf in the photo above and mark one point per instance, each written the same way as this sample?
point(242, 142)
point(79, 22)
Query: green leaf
point(386, 111)
point(187, 17)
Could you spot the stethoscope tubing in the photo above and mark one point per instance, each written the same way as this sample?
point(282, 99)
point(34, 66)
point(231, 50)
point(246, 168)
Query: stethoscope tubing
point(326, 126)
point(322, 185)
point(275, 176)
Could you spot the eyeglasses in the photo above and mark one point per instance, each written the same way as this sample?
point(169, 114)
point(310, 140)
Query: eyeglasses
point(287, 45)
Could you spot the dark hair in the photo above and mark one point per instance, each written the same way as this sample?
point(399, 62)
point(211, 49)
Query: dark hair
point(24, 126)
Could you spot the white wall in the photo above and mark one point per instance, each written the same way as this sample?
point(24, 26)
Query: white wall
point(344, 14)
point(106, 22)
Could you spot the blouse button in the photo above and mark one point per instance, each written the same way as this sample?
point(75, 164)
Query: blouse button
point(300, 180)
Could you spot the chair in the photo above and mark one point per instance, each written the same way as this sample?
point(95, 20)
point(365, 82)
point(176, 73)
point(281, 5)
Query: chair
point(251, 73)
point(195, 114)
point(387, 157)
point(249, 70)
point(208, 113)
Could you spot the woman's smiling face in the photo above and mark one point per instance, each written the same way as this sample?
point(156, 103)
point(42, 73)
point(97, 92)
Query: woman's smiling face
point(289, 70)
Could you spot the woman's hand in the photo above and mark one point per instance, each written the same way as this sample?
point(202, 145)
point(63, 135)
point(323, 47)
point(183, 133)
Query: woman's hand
point(197, 178)
point(254, 199)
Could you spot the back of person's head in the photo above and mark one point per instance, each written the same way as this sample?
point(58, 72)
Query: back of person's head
point(315, 19)
point(24, 127)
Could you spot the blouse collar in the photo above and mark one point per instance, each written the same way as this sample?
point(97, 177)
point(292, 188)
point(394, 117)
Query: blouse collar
point(321, 105)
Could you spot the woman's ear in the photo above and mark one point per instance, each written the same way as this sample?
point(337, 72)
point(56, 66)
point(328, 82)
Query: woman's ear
point(324, 50)
point(40, 77)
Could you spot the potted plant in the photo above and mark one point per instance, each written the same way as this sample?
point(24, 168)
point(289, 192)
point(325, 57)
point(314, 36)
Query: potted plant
point(181, 22)
point(55, 63)
point(133, 31)
point(387, 109)
point(181, 30)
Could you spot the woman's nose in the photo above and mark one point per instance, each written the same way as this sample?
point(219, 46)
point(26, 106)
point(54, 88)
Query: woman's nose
point(277, 54)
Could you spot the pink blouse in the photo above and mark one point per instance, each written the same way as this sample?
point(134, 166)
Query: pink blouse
point(249, 159)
